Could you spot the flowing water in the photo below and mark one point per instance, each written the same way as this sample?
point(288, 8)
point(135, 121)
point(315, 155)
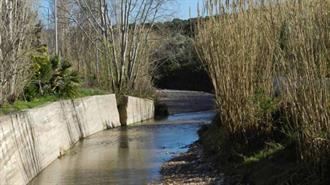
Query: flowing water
point(126, 155)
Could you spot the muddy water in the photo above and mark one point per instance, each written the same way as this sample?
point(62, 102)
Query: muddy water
point(127, 155)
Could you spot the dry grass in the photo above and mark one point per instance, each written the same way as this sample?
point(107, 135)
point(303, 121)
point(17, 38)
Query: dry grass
point(252, 50)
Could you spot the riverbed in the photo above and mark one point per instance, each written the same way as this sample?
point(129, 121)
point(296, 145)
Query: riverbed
point(125, 155)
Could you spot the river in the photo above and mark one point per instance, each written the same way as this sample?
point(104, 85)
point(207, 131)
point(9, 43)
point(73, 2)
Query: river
point(125, 155)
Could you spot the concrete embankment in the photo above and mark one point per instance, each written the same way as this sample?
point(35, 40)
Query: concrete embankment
point(133, 110)
point(30, 140)
point(186, 101)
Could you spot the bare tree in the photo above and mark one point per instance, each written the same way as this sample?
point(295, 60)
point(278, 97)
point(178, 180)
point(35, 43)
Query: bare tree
point(119, 30)
point(17, 21)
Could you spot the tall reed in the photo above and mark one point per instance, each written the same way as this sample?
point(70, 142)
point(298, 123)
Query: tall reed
point(237, 48)
point(304, 64)
point(254, 50)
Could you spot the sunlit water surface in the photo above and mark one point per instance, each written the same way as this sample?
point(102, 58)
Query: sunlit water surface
point(126, 155)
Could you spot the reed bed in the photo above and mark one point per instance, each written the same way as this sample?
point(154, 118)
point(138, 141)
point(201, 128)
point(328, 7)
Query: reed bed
point(264, 56)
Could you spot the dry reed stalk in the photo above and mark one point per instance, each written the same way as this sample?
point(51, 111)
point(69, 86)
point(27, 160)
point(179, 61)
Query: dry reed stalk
point(304, 62)
point(246, 45)
point(238, 53)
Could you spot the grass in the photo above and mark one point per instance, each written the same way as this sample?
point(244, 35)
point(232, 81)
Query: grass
point(91, 92)
point(22, 105)
point(272, 164)
point(264, 154)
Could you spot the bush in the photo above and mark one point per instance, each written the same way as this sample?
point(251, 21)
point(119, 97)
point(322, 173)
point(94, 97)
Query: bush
point(52, 76)
point(42, 73)
point(64, 82)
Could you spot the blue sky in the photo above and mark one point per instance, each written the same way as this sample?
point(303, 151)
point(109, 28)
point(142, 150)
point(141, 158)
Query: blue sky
point(182, 9)
point(177, 9)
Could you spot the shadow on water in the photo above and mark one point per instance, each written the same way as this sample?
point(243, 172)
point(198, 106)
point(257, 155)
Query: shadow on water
point(125, 155)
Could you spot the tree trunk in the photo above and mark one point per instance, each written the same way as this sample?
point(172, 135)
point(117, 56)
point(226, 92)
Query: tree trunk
point(2, 76)
point(12, 84)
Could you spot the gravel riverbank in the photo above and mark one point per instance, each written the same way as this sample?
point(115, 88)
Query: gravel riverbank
point(190, 167)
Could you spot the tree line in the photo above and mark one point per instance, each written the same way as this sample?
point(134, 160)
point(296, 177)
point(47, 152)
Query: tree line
point(109, 44)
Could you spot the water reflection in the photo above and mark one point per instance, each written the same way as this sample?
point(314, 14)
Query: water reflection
point(123, 138)
point(126, 155)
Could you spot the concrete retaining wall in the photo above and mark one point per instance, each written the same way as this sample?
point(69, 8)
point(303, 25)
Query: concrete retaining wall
point(31, 140)
point(133, 110)
point(186, 101)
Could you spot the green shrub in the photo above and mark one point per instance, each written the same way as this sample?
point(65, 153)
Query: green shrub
point(42, 73)
point(52, 76)
point(64, 82)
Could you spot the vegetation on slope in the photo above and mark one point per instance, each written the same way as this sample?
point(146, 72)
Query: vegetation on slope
point(177, 63)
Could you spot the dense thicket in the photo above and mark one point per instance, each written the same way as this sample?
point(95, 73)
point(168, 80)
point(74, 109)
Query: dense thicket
point(269, 63)
point(128, 53)
point(172, 57)
point(178, 65)
point(27, 71)
point(110, 43)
